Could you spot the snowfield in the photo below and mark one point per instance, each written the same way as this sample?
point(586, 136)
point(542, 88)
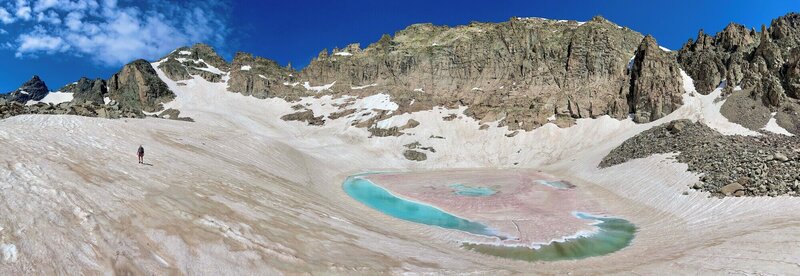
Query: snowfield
point(242, 192)
point(54, 98)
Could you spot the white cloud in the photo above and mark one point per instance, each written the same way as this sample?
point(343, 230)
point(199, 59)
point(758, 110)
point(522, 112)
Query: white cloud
point(6, 16)
point(3, 31)
point(73, 21)
point(40, 42)
point(50, 17)
point(23, 10)
point(114, 33)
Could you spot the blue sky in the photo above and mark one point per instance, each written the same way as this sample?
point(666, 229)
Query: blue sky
point(62, 40)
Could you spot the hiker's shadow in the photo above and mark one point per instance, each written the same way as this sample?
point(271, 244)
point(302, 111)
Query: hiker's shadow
point(147, 164)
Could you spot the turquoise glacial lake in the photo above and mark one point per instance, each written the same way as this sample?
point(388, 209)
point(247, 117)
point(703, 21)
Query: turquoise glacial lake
point(612, 235)
point(382, 200)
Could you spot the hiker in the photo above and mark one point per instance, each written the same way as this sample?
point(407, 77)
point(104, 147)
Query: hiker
point(140, 153)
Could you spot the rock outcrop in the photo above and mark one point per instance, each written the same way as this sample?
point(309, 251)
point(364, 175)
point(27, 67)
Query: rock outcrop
point(87, 90)
point(138, 87)
point(655, 89)
point(89, 109)
point(33, 90)
point(761, 62)
point(259, 77)
point(199, 60)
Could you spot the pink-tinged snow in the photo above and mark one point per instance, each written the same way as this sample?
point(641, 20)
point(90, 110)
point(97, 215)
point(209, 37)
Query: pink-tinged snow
point(527, 212)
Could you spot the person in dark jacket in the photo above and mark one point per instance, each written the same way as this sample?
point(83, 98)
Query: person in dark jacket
point(140, 153)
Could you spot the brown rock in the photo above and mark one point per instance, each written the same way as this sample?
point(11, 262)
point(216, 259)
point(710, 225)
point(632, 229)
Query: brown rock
point(731, 188)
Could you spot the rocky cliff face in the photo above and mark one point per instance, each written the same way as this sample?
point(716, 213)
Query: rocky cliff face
point(35, 89)
point(138, 87)
point(259, 77)
point(86, 90)
point(655, 88)
point(758, 61)
point(519, 72)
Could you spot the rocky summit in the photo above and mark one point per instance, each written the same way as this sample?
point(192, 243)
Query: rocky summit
point(33, 90)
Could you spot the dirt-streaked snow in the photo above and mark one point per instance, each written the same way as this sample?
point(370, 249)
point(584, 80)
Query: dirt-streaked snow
point(242, 192)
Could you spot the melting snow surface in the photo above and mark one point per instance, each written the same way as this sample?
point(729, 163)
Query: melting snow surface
point(363, 86)
point(318, 88)
point(246, 68)
point(9, 252)
point(378, 101)
point(208, 67)
point(772, 126)
point(709, 108)
point(54, 98)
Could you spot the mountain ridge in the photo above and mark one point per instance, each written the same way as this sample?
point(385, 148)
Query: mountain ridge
point(522, 73)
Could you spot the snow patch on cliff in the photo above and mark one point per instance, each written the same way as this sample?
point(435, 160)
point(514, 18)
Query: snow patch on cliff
point(772, 126)
point(318, 89)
